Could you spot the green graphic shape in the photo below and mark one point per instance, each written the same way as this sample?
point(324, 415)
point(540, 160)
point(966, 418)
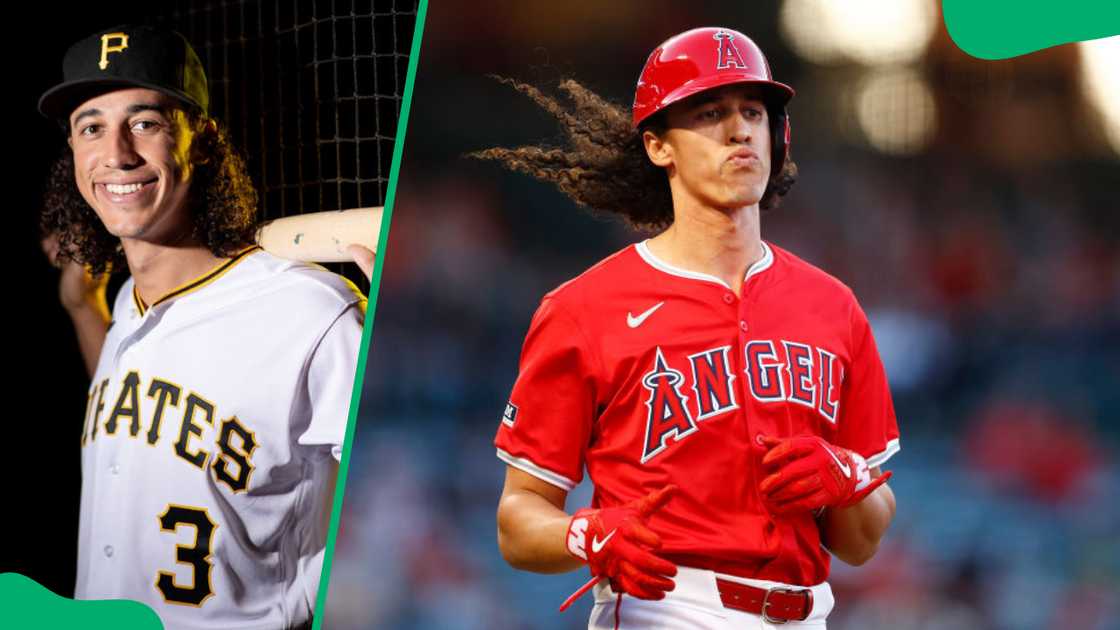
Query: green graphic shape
point(27, 604)
point(998, 29)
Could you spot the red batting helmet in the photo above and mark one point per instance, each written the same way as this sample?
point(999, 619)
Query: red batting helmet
point(706, 58)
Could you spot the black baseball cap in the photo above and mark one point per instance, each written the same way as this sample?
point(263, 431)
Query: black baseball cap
point(128, 56)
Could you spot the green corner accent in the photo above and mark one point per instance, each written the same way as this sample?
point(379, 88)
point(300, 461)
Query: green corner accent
point(367, 331)
point(27, 604)
point(998, 29)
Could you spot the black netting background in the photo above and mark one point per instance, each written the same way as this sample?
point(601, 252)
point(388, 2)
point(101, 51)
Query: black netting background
point(311, 91)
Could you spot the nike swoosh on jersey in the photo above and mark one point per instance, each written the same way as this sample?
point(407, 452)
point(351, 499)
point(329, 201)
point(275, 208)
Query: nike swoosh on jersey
point(843, 467)
point(634, 322)
point(597, 545)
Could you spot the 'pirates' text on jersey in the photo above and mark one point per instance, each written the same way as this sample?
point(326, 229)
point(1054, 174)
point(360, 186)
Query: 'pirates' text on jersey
point(210, 444)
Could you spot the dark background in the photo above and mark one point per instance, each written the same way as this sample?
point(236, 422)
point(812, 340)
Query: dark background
point(987, 258)
point(47, 378)
point(310, 92)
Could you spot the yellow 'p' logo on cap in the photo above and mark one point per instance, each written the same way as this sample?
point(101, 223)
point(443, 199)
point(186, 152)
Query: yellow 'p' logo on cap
point(122, 40)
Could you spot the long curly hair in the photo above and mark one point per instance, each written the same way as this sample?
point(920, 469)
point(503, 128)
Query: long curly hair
point(604, 166)
point(223, 203)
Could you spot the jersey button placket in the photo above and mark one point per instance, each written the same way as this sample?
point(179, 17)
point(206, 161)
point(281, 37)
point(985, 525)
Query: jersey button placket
point(737, 320)
point(741, 311)
point(744, 383)
point(744, 338)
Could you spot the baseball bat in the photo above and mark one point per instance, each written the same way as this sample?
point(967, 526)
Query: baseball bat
point(321, 237)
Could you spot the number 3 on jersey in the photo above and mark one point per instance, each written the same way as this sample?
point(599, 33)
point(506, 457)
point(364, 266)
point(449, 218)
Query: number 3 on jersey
point(197, 556)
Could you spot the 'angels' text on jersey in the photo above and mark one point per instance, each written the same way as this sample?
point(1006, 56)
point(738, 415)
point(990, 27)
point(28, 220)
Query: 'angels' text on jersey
point(776, 371)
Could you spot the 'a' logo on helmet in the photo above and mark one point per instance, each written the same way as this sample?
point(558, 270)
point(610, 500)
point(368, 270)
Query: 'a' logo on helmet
point(729, 56)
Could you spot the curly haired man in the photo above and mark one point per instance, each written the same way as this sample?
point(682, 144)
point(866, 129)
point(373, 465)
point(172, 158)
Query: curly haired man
point(725, 397)
point(222, 386)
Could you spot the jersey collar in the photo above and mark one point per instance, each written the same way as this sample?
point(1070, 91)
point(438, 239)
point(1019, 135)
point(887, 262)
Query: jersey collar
point(197, 283)
point(762, 264)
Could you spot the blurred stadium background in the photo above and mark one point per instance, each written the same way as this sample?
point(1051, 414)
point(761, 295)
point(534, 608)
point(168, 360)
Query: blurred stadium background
point(971, 206)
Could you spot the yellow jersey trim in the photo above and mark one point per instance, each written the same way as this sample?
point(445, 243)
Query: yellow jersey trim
point(362, 301)
point(197, 283)
point(137, 301)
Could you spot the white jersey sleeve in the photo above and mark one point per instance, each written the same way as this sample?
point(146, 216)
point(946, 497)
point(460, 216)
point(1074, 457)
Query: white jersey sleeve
point(330, 382)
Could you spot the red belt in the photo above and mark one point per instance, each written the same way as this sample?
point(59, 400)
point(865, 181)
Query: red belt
point(775, 605)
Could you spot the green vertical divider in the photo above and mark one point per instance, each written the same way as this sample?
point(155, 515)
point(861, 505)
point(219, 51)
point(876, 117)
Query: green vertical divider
point(367, 331)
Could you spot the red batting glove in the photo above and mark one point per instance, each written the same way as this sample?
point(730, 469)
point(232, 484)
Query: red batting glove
point(807, 473)
point(617, 544)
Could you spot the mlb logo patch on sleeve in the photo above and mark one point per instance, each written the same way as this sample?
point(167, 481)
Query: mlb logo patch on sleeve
point(509, 415)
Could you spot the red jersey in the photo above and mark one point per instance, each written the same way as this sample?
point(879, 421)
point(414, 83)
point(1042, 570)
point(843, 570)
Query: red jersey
point(649, 375)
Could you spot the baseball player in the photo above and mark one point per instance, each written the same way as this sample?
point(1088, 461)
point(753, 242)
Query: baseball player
point(726, 397)
point(218, 406)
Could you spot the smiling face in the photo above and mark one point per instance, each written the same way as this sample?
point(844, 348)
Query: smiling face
point(131, 163)
point(716, 147)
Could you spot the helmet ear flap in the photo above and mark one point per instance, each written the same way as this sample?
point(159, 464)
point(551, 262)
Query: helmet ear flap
point(779, 140)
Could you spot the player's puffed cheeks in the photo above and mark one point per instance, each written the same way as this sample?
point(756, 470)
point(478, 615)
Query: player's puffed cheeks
point(716, 148)
point(131, 162)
